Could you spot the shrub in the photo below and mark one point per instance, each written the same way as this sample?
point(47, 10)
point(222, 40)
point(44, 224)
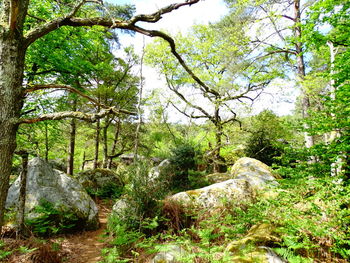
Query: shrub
point(182, 159)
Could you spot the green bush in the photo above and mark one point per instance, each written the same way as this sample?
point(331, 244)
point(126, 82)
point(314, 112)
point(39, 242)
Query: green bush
point(182, 160)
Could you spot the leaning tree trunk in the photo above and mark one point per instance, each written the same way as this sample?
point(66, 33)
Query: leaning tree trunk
point(11, 102)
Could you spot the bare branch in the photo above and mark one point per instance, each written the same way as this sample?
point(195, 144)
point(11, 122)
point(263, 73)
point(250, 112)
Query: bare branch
point(273, 24)
point(70, 20)
point(182, 97)
point(52, 25)
point(71, 89)
point(69, 114)
point(37, 18)
point(288, 17)
point(186, 114)
point(171, 42)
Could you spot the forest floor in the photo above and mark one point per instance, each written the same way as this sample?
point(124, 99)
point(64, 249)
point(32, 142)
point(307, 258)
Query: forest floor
point(80, 247)
point(85, 247)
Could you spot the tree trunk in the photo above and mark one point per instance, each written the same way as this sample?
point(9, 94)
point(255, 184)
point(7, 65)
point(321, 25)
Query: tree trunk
point(97, 141)
point(305, 104)
point(115, 141)
point(72, 135)
point(11, 102)
point(105, 144)
point(139, 104)
point(337, 168)
point(22, 193)
point(46, 142)
point(218, 160)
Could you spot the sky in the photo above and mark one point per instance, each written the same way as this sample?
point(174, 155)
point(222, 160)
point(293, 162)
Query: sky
point(181, 20)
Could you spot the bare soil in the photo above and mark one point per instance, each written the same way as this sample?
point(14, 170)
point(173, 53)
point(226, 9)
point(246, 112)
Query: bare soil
point(81, 247)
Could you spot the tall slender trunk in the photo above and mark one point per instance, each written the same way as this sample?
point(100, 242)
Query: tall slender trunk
point(72, 135)
point(305, 104)
point(97, 141)
point(114, 145)
point(337, 167)
point(139, 104)
point(46, 142)
point(105, 143)
point(11, 101)
point(218, 165)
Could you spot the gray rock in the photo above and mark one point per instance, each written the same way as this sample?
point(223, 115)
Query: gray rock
point(272, 257)
point(124, 209)
point(156, 171)
point(53, 186)
point(171, 254)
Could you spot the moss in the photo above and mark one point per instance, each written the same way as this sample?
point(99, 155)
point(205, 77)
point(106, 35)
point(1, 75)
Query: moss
point(194, 193)
point(258, 234)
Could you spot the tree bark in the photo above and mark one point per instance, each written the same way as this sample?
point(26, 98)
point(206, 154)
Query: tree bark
point(97, 142)
point(115, 141)
point(305, 104)
point(105, 144)
point(218, 162)
point(46, 142)
point(11, 101)
point(22, 193)
point(72, 135)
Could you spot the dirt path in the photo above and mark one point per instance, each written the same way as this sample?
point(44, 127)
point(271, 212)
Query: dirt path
point(86, 247)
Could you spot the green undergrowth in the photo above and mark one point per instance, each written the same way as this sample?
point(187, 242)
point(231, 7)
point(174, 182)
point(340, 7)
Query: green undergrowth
point(309, 216)
point(52, 221)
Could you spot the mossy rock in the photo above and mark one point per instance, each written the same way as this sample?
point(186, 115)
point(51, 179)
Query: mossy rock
point(263, 234)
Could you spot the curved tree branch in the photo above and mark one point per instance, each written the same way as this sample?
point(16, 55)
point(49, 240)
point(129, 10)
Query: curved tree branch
point(70, 20)
point(80, 93)
point(171, 42)
point(70, 114)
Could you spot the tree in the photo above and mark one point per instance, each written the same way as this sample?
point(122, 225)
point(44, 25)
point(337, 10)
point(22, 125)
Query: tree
point(277, 27)
point(221, 76)
point(21, 24)
point(333, 46)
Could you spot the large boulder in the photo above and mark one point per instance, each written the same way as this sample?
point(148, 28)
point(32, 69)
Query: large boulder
point(215, 195)
point(44, 184)
point(258, 174)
